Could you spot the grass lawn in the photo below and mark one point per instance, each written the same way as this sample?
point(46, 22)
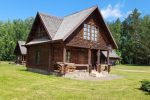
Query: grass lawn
point(18, 84)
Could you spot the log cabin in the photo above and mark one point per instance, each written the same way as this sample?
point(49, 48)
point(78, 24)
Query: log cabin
point(78, 38)
point(20, 52)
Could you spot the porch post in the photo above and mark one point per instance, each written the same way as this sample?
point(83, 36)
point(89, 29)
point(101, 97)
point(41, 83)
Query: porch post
point(98, 57)
point(64, 54)
point(108, 57)
point(64, 61)
point(89, 60)
point(98, 61)
point(108, 69)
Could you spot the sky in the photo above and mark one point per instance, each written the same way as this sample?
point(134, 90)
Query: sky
point(111, 9)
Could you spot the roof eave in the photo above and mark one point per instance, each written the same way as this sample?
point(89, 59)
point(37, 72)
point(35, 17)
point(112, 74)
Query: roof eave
point(50, 41)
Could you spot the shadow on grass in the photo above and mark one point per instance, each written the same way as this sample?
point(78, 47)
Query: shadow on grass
point(48, 73)
point(146, 92)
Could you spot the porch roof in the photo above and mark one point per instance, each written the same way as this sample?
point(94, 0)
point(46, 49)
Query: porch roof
point(112, 54)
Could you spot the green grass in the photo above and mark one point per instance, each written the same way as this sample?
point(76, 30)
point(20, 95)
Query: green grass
point(18, 84)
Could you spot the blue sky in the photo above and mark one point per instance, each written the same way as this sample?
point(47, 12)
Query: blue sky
point(111, 9)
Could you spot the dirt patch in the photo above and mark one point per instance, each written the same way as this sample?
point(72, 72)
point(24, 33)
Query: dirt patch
point(83, 75)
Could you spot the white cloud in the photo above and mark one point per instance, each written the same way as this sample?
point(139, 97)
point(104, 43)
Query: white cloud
point(128, 13)
point(112, 12)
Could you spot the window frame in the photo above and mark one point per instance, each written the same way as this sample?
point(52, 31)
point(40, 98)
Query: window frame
point(37, 57)
point(90, 32)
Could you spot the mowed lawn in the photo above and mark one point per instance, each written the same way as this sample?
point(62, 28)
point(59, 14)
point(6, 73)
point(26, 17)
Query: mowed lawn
point(18, 84)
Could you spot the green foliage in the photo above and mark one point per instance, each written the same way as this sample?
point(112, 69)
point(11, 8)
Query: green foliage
point(145, 85)
point(132, 36)
point(10, 33)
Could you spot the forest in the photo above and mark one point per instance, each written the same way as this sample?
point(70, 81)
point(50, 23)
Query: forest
point(131, 34)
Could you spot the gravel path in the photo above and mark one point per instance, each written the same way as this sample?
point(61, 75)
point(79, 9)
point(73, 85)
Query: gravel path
point(83, 75)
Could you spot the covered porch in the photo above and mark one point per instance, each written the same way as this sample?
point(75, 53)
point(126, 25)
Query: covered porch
point(75, 58)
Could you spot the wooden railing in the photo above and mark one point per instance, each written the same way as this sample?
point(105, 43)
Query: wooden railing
point(70, 67)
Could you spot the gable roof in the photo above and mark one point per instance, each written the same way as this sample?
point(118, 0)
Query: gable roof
point(61, 28)
point(20, 46)
point(112, 54)
point(51, 23)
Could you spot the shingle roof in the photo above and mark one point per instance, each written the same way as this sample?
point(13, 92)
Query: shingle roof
point(51, 23)
point(112, 54)
point(61, 28)
point(71, 22)
point(22, 48)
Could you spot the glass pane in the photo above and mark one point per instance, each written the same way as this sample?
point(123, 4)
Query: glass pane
point(85, 37)
point(84, 29)
point(92, 35)
point(85, 25)
point(88, 29)
point(84, 33)
point(88, 26)
point(89, 34)
point(95, 35)
point(92, 31)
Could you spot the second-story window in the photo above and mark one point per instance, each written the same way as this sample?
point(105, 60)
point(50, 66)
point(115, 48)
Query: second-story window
point(94, 33)
point(85, 31)
point(90, 32)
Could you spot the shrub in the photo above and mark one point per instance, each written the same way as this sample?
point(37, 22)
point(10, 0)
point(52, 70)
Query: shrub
point(145, 85)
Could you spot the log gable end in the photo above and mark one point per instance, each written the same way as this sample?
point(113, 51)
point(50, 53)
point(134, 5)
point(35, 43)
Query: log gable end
point(38, 30)
point(77, 37)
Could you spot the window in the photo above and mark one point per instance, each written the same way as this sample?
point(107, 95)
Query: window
point(94, 33)
point(90, 32)
point(37, 57)
point(68, 56)
point(85, 31)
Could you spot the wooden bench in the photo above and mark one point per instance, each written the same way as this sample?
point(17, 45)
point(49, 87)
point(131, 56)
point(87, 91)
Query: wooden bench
point(82, 66)
point(66, 67)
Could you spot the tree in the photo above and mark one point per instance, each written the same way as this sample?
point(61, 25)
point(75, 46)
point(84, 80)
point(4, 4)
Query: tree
point(10, 33)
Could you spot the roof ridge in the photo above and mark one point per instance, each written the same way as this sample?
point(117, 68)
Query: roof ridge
point(95, 6)
point(48, 15)
point(85, 14)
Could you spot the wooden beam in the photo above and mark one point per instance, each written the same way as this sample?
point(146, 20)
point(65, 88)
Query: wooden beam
point(64, 54)
point(98, 61)
point(89, 60)
point(108, 57)
point(108, 64)
point(98, 57)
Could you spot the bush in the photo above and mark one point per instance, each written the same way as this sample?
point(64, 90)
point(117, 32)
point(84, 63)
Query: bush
point(145, 85)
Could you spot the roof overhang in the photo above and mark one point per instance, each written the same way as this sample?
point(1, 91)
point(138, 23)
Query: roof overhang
point(42, 42)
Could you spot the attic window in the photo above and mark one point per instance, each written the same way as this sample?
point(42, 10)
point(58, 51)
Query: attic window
point(94, 33)
point(90, 32)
